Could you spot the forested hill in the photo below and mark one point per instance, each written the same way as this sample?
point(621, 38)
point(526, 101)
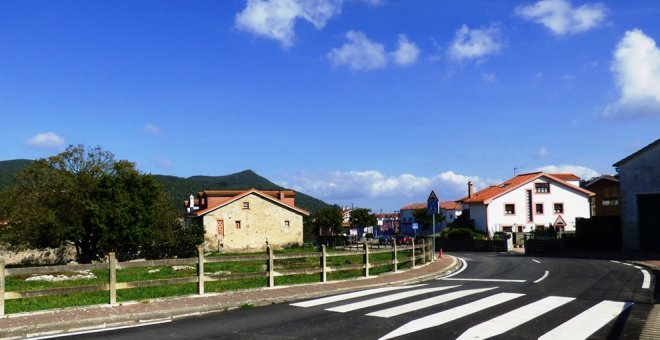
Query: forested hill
point(181, 188)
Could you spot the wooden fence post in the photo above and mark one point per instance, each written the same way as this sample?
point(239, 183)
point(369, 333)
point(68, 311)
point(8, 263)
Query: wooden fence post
point(200, 270)
point(395, 262)
point(112, 266)
point(2, 286)
point(366, 259)
point(423, 252)
point(413, 252)
point(269, 267)
point(324, 264)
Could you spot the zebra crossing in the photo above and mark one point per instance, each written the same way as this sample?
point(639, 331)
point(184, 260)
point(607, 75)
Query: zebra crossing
point(580, 326)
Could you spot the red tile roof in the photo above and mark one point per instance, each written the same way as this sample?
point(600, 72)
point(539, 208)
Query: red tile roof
point(494, 191)
point(451, 205)
point(218, 198)
point(414, 206)
point(566, 177)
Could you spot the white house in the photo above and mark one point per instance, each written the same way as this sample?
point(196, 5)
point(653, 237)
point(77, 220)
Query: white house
point(639, 183)
point(529, 201)
point(450, 210)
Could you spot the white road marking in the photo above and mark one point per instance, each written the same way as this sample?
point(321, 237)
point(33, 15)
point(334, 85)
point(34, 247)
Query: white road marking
point(385, 299)
point(615, 261)
point(459, 271)
point(646, 283)
point(588, 322)
point(100, 330)
point(347, 296)
point(537, 261)
point(485, 280)
point(452, 314)
point(417, 305)
point(542, 277)
point(514, 318)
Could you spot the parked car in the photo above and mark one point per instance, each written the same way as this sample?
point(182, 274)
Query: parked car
point(384, 240)
point(404, 239)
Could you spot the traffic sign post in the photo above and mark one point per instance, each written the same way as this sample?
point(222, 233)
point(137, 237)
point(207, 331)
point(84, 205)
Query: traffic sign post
point(433, 207)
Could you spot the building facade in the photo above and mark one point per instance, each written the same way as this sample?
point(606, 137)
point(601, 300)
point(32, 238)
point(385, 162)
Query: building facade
point(247, 220)
point(528, 202)
point(606, 199)
point(639, 183)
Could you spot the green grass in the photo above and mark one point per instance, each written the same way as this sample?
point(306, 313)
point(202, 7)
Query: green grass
point(18, 284)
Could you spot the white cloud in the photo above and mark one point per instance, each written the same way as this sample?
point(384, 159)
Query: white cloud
point(476, 43)
point(636, 69)
point(47, 140)
point(275, 19)
point(407, 51)
point(543, 152)
point(489, 77)
point(355, 186)
point(561, 17)
point(152, 129)
point(359, 53)
point(578, 170)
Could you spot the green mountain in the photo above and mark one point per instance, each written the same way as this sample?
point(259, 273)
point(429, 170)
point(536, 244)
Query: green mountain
point(181, 188)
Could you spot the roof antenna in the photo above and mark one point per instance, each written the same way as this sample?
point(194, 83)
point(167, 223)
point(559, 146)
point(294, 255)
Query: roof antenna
point(515, 169)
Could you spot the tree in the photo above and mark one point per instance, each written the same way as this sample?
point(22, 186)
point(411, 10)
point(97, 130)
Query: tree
point(85, 197)
point(425, 220)
point(362, 217)
point(326, 221)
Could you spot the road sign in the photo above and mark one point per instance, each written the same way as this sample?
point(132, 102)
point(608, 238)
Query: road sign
point(433, 204)
point(415, 226)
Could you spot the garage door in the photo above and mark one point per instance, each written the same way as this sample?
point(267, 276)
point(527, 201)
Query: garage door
point(649, 221)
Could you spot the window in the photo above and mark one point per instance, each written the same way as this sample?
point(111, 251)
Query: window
point(246, 205)
point(220, 227)
point(612, 202)
point(539, 208)
point(238, 224)
point(559, 208)
point(542, 188)
point(509, 209)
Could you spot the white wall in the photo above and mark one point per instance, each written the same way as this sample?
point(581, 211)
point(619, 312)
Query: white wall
point(639, 175)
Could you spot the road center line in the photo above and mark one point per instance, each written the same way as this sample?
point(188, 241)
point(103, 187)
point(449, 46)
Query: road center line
point(542, 277)
point(537, 261)
point(485, 280)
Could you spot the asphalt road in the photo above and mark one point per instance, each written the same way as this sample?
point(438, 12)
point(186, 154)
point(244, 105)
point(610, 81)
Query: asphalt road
point(495, 295)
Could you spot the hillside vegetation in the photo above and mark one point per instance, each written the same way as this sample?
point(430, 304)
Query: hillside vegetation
point(180, 188)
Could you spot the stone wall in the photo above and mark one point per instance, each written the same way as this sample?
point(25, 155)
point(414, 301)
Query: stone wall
point(39, 257)
point(262, 220)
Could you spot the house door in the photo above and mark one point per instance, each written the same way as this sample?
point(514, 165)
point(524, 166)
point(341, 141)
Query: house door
point(648, 208)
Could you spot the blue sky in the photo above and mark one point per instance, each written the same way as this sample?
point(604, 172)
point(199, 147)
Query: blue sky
point(364, 102)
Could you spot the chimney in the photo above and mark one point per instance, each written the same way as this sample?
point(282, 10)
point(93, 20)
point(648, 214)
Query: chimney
point(469, 189)
point(192, 201)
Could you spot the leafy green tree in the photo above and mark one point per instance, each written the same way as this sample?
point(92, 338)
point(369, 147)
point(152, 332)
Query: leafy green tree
point(85, 197)
point(326, 221)
point(362, 217)
point(425, 220)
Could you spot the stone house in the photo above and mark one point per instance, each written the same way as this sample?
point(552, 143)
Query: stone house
point(639, 186)
point(236, 220)
point(529, 201)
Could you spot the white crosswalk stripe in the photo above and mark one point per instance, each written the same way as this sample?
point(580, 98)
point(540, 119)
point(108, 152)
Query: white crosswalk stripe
point(417, 305)
point(514, 318)
point(452, 314)
point(347, 296)
point(588, 322)
point(581, 326)
point(385, 299)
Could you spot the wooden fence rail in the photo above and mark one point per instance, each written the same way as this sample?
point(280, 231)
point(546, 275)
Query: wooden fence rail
point(419, 252)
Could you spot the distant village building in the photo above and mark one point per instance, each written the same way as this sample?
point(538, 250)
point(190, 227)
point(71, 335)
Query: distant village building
point(639, 183)
point(236, 220)
point(529, 201)
point(606, 201)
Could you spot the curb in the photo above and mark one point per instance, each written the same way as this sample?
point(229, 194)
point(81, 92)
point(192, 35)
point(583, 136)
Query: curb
point(136, 319)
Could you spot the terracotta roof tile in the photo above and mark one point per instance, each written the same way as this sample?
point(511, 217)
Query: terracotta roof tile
point(414, 206)
point(566, 177)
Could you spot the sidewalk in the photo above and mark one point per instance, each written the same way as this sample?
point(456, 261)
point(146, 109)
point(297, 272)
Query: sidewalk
point(16, 326)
